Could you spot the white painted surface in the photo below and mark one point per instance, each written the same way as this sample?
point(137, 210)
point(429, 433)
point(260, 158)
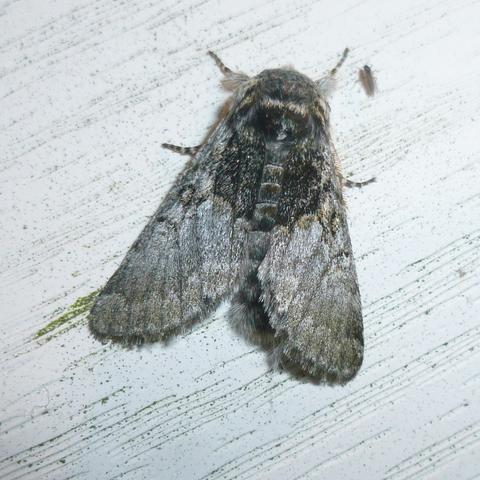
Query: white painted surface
point(89, 90)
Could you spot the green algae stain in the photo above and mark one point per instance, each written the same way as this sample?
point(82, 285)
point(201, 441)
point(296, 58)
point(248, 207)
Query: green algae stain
point(81, 305)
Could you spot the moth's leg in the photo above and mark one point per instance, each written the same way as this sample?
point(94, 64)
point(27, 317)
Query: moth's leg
point(348, 183)
point(182, 150)
point(334, 70)
point(223, 68)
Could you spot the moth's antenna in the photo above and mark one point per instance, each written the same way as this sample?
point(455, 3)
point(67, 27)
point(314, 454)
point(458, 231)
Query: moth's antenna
point(333, 71)
point(223, 68)
point(328, 82)
point(232, 79)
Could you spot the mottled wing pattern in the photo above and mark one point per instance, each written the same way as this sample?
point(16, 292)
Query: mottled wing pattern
point(185, 261)
point(308, 276)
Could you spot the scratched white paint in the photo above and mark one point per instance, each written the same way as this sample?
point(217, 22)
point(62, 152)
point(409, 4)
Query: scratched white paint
point(89, 90)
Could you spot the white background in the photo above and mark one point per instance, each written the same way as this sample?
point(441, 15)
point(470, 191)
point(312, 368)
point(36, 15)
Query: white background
point(88, 92)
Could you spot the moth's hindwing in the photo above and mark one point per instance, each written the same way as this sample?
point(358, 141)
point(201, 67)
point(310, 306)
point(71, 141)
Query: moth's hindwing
point(308, 276)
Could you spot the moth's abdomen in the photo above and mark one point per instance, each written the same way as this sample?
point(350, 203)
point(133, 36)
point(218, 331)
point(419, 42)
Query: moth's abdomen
point(266, 209)
point(247, 313)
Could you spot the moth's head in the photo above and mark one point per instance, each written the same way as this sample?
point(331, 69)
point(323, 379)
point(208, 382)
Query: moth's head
point(289, 85)
point(283, 103)
point(281, 84)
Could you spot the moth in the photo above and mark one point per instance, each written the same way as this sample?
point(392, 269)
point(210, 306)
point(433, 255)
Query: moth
point(257, 217)
point(367, 80)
